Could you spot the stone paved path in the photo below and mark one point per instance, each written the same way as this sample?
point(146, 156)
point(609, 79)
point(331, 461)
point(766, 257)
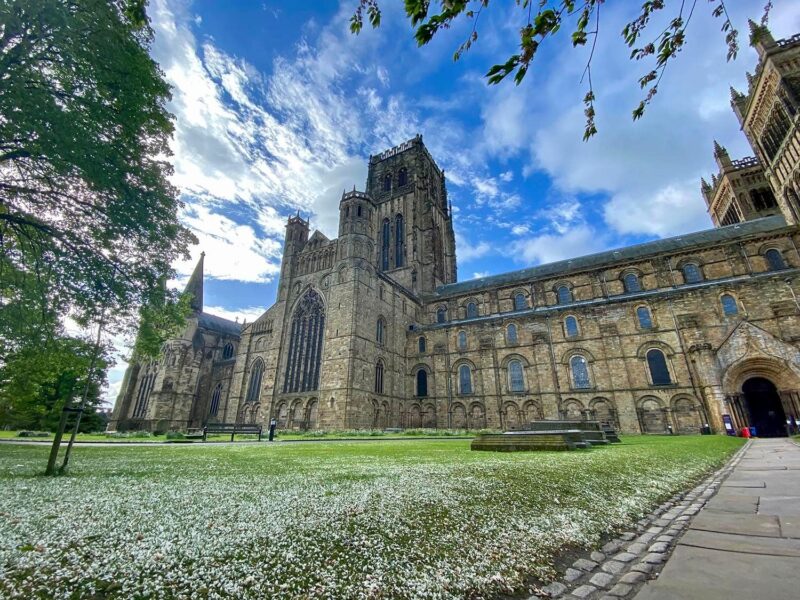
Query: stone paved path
point(745, 542)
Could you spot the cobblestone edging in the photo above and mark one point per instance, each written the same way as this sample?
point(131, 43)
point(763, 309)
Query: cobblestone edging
point(622, 565)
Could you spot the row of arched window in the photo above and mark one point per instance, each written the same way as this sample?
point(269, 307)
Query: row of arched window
point(402, 179)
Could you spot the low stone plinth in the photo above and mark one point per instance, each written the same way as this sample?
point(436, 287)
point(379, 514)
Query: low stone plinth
point(526, 441)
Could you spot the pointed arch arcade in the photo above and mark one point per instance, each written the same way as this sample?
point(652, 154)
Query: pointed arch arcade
point(305, 344)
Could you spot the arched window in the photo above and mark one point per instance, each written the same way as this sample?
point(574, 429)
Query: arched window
point(645, 320)
point(215, 396)
point(380, 331)
point(511, 334)
point(516, 380)
point(571, 326)
point(421, 344)
point(657, 363)
point(254, 386)
point(305, 344)
point(580, 372)
point(422, 383)
point(691, 273)
point(385, 239)
point(346, 211)
point(775, 260)
point(399, 241)
point(358, 210)
point(729, 305)
point(145, 387)
point(379, 377)
point(519, 302)
point(441, 314)
point(227, 351)
point(472, 310)
point(564, 295)
point(631, 283)
point(387, 182)
point(462, 340)
point(402, 177)
point(464, 380)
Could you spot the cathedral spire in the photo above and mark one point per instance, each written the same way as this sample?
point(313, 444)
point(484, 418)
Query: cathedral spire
point(195, 285)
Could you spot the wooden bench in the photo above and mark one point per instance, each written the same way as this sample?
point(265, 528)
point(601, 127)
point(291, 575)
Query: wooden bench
point(233, 429)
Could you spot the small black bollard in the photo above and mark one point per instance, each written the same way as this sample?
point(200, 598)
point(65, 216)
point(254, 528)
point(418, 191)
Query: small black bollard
point(272, 424)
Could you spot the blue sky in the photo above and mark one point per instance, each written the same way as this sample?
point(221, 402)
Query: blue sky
point(278, 107)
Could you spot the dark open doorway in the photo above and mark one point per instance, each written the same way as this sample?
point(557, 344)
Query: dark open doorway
point(765, 408)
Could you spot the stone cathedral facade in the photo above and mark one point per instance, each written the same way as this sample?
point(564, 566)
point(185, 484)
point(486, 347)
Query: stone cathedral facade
point(373, 329)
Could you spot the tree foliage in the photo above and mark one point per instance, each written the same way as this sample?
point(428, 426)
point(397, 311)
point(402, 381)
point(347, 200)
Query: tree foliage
point(543, 19)
point(88, 219)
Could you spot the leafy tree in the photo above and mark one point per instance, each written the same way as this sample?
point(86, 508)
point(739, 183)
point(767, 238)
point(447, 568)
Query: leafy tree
point(542, 19)
point(88, 219)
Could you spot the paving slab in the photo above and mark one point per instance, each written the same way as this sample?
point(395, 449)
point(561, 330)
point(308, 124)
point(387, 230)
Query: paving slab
point(737, 523)
point(741, 543)
point(739, 503)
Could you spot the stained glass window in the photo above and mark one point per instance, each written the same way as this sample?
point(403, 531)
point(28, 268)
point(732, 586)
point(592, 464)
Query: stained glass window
point(691, 273)
point(254, 385)
point(564, 295)
point(775, 260)
point(645, 320)
point(464, 380)
point(631, 282)
point(511, 334)
point(571, 326)
point(422, 383)
point(215, 396)
point(729, 306)
point(657, 364)
point(580, 372)
point(516, 381)
point(305, 344)
point(519, 302)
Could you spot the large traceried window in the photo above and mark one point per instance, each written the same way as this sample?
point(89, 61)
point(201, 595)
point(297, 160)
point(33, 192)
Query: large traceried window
point(386, 235)
point(657, 363)
point(729, 305)
point(464, 380)
point(580, 372)
point(472, 310)
point(305, 344)
point(775, 260)
point(691, 273)
point(511, 334)
point(254, 385)
point(519, 302)
point(643, 315)
point(379, 377)
point(631, 283)
point(564, 295)
point(571, 327)
point(516, 379)
point(422, 383)
point(215, 397)
point(145, 387)
point(399, 241)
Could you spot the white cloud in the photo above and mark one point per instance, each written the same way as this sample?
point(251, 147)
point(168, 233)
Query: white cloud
point(466, 251)
point(240, 315)
point(551, 247)
point(520, 229)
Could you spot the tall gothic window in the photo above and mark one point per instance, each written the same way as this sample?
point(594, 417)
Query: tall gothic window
point(399, 241)
point(645, 320)
point(145, 387)
point(379, 377)
point(519, 302)
point(462, 340)
point(472, 310)
point(464, 380)
point(580, 372)
point(729, 306)
point(571, 326)
point(774, 260)
point(516, 381)
point(386, 235)
point(305, 344)
point(380, 331)
point(422, 383)
point(387, 182)
point(691, 273)
point(421, 343)
point(254, 385)
point(564, 295)
point(227, 351)
point(402, 177)
point(511, 334)
point(657, 364)
point(631, 283)
point(215, 396)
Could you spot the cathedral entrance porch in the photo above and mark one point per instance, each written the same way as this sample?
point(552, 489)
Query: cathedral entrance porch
point(761, 405)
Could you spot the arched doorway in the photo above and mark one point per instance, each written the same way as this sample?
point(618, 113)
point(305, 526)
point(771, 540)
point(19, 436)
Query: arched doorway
point(764, 407)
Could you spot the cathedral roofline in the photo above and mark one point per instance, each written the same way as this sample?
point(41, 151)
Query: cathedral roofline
point(770, 224)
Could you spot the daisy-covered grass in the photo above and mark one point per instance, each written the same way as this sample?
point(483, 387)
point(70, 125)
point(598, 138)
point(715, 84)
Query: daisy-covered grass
point(372, 519)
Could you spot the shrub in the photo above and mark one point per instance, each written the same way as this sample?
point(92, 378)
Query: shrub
point(34, 434)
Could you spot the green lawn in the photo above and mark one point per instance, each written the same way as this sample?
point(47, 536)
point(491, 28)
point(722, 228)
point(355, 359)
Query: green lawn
point(382, 519)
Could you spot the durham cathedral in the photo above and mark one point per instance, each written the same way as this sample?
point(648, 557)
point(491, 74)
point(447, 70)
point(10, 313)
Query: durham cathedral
point(372, 330)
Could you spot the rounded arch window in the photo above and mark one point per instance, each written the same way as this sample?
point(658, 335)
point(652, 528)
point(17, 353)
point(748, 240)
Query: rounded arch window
point(729, 305)
point(519, 301)
point(441, 314)
point(511, 334)
point(644, 317)
point(379, 377)
point(464, 380)
point(516, 379)
point(631, 283)
point(462, 340)
point(380, 331)
point(358, 210)
point(564, 294)
point(387, 182)
point(580, 372)
point(472, 310)
point(422, 383)
point(691, 273)
point(775, 260)
point(421, 344)
point(657, 363)
point(571, 326)
point(402, 177)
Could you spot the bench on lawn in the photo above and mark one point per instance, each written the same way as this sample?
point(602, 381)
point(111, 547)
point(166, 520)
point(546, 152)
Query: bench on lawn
point(233, 429)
